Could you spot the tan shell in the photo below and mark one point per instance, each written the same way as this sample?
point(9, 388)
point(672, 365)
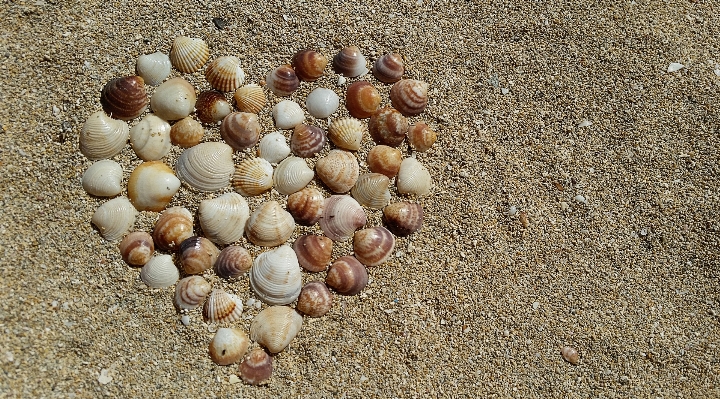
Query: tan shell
point(222, 307)
point(269, 225)
point(341, 217)
point(173, 227)
point(191, 292)
point(114, 218)
point(206, 166)
point(385, 160)
point(275, 276)
point(307, 141)
point(186, 132)
point(253, 177)
point(403, 218)
point(241, 130)
point(233, 262)
point(275, 327)
point(225, 74)
point(124, 98)
point(309, 65)
point(315, 299)
point(197, 254)
point(282, 81)
point(389, 68)
point(570, 355)
point(388, 126)
point(173, 100)
point(228, 346)
point(223, 218)
point(313, 252)
point(150, 138)
point(346, 133)
point(292, 175)
point(350, 62)
point(257, 367)
point(211, 106)
point(306, 206)
point(373, 246)
point(103, 178)
point(362, 99)
point(159, 272)
point(102, 137)
point(413, 178)
point(250, 98)
point(137, 248)
point(409, 96)
point(189, 54)
point(339, 170)
point(347, 276)
point(151, 186)
point(153, 68)
point(372, 190)
point(421, 137)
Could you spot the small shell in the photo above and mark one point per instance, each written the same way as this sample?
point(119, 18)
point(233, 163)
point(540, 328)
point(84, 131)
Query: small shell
point(173, 100)
point(124, 98)
point(150, 138)
point(197, 254)
point(373, 246)
point(403, 218)
point(233, 262)
point(287, 114)
point(282, 81)
point(347, 276)
point(322, 102)
point(387, 126)
point(274, 147)
point(228, 346)
point(385, 160)
point(372, 190)
point(341, 217)
point(222, 307)
point(223, 218)
point(191, 292)
point(421, 137)
point(362, 99)
point(269, 225)
point(339, 170)
point(114, 218)
point(102, 136)
point(346, 133)
point(240, 130)
point(225, 74)
point(413, 178)
point(103, 179)
point(409, 96)
point(151, 186)
point(292, 175)
point(309, 65)
point(570, 355)
point(389, 68)
point(315, 299)
point(250, 98)
point(159, 272)
point(307, 141)
point(153, 68)
point(206, 166)
point(257, 367)
point(313, 252)
point(211, 106)
point(350, 62)
point(306, 206)
point(173, 227)
point(137, 248)
point(189, 54)
point(275, 327)
point(253, 177)
point(186, 132)
point(275, 276)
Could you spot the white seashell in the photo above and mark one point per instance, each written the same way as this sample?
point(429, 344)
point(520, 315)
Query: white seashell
point(253, 177)
point(102, 136)
point(346, 133)
point(225, 73)
point(413, 178)
point(675, 66)
point(222, 307)
point(150, 138)
point(159, 272)
point(228, 346)
point(274, 147)
point(269, 225)
point(191, 292)
point(114, 218)
point(153, 68)
point(189, 54)
point(173, 100)
point(103, 179)
point(292, 175)
point(372, 190)
point(322, 102)
point(275, 327)
point(275, 276)
point(223, 218)
point(288, 114)
point(151, 186)
point(342, 215)
point(206, 166)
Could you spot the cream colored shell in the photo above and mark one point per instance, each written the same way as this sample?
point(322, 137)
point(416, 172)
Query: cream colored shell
point(103, 179)
point(292, 175)
point(152, 185)
point(274, 147)
point(269, 225)
point(287, 114)
point(275, 327)
point(159, 272)
point(173, 100)
point(372, 190)
point(102, 136)
point(346, 133)
point(253, 177)
point(189, 54)
point(223, 218)
point(413, 178)
point(150, 138)
point(153, 68)
point(206, 166)
point(275, 276)
point(250, 98)
point(339, 170)
point(114, 218)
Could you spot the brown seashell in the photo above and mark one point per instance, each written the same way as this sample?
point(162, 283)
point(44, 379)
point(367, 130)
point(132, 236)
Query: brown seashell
point(257, 367)
point(385, 160)
point(307, 141)
point(240, 130)
point(173, 227)
point(421, 137)
point(211, 106)
point(350, 62)
point(389, 68)
point(225, 74)
point(347, 133)
point(189, 54)
point(570, 355)
point(347, 276)
point(342, 215)
point(275, 327)
point(388, 126)
point(362, 99)
point(339, 170)
point(233, 262)
point(309, 65)
point(373, 246)
point(313, 252)
point(403, 218)
point(250, 98)
point(253, 177)
point(151, 186)
point(228, 346)
point(137, 248)
point(409, 96)
point(222, 307)
point(124, 98)
point(315, 299)
point(282, 81)
point(186, 132)
point(371, 190)
point(197, 254)
point(306, 206)
point(191, 292)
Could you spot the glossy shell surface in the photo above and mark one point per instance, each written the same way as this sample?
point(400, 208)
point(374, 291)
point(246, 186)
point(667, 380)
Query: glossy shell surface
point(240, 130)
point(322, 102)
point(137, 248)
point(152, 185)
point(409, 96)
point(103, 179)
point(197, 254)
point(306, 141)
point(211, 106)
point(173, 100)
point(313, 252)
point(173, 227)
point(387, 126)
point(124, 98)
point(315, 299)
point(373, 245)
point(384, 159)
point(350, 62)
point(347, 276)
point(342, 215)
point(389, 68)
point(228, 346)
point(403, 218)
point(186, 132)
point(257, 367)
point(362, 99)
point(153, 68)
point(413, 178)
point(309, 65)
point(233, 262)
point(191, 292)
point(287, 114)
point(274, 147)
point(292, 175)
point(306, 206)
point(282, 81)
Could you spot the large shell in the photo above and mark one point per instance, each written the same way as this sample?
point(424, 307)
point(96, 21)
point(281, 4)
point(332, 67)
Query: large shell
point(114, 218)
point(257, 367)
point(313, 252)
point(275, 276)
point(347, 276)
point(189, 54)
point(228, 346)
point(269, 225)
point(151, 186)
point(223, 218)
point(389, 68)
point(173, 227)
point(225, 74)
point(341, 217)
point(124, 98)
point(387, 126)
point(315, 299)
point(240, 130)
point(373, 246)
point(275, 327)
point(292, 175)
point(206, 166)
point(409, 96)
point(421, 137)
point(103, 178)
point(153, 68)
point(274, 147)
point(287, 114)
point(322, 102)
point(372, 190)
point(346, 133)
point(250, 98)
point(282, 81)
point(103, 137)
point(211, 106)
point(403, 218)
point(173, 100)
point(309, 65)
point(413, 178)
point(253, 177)
point(137, 248)
point(159, 272)
point(306, 206)
point(222, 307)
point(385, 160)
point(339, 170)
point(233, 262)
point(191, 292)
point(150, 138)
point(350, 62)
point(307, 141)
point(197, 254)
point(362, 99)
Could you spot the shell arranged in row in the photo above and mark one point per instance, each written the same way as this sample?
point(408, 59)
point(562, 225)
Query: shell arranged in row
point(206, 166)
point(233, 262)
point(421, 137)
point(387, 126)
point(153, 68)
point(342, 215)
point(253, 177)
point(186, 132)
point(403, 218)
point(350, 62)
point(309, 65)
point(150, 138)
point(173, 100)
point(197, 254)
point(275, 276)
point(228, 346)
point(269, 225)
point(114, 218)
point(222, 307)
point(124, 98)
point(137, 248)
point(191, 292)
point(189, 54)
point(385, 160)
point(223, 218)
point(413, 178)
point(257, 367)
point(362, 99)
point(274, 147)
point(159, 272)
point(347, 276)
point(315, 299)
point(174, 226)
point(282, 81)
point(152, 185)
point(306, 206)
point(313, 252)
point(240, 130)
point(346, 133)
point(287, 114)
point(322, 102)
point(307, 140)
point(339, 170)
point(372, 190)
point(225, 74)
point(409, 96)
point(250, 98)
point(373, 246)
point(211, 106)
point(103, 178)
point(389, 68)
point(102, 136)
point(275, 327)
point(292, 175)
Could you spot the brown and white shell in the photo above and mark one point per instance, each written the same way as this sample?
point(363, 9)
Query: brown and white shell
point(189, 54)
point(114, 218)
point(342, 215)
point(313, 252)
point(152, 185)
point(222, 307)
point(257, 367)
point(211, 106)
point(275, 276)
point(250, 98)
point(197, 254)
point(191, 292)
point(269, 225)
point(253, 177)
point(339, 170)
point(223, 218)
point(362, 99)
point(570, 355)
point(373, 245)
point(421, 137)
point(159, 272)
point(389, 68)
point(282, 81)
point(137, 248)
point(241, 130)
point(372, 190)
point(225, 73)
point(403, 218)
point(173, 227)
point(350, 62)
point(409, 96)
point(173, 100)
point(186, 132)
point(306, 206)
point(413, 178)
point(228, 346)
point(233, 262)
point(275, 327)
point(347, 276)
point(124, 98)
point(309, 65)
point(387, 126)
point(384, 159)
point(102, 137)
point(206, 167)
point(307, 141)
point(315, 299)
point(346, 133)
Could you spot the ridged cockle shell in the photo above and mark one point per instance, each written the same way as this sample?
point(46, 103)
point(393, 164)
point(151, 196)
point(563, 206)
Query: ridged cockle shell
point(172, 228)
point(275, 276)
point(292, 175)
point(346, 133)
point(387, 126)
point(413, 178)
point(103, 178)
point(173, 100)
point(306, 206)
point(153, 68)
point(309, 65)
point(150, 138)
point(159, 272)
point(250, 98)
point(124, 98)
point(189, 54)
point(225, 74)
point(409, 96)
point(282, 81)
point(313, 252)
point(228, 346)
point(362, 99)
point(103, 137)
point(253, 177)
point(269, 225)
point(347, 276)
point(350, 62)
point(151, 186)
point(275, 327)
point(114, 218)
point(206, 166)
point(339, 170)
point(389, 68)
point(223, 218)
point(342, 215)
point(222, 307)
point(322, 102)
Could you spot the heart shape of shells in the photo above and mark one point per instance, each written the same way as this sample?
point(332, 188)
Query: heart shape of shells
point(275, 276)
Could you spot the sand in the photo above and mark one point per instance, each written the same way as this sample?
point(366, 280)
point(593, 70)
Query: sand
point(535, 104)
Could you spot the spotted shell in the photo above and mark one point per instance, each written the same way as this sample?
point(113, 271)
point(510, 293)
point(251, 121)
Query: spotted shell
point(389, 68)
point(274, 147)
point(387, 126)
point(385, 160)
point(322, 102)
point(257, 367)
point(347, 276)
point(306, 206)
point(233, 262)
point(362, 99)
point(269, 225)
point(421, 137)
point(282, 81)
point(211, 106)
point(346, 133)
point(309, 65)
point(287, 114)
point(228, 346)
point(222, 307)
point(292, 175)
point(307, 141)
point(241, 130)
point(189, 54)
point(173, 100)
point(151, 186)
point(197, 254)
point(153, 68)
point(253, 177)
point(413, 178)
point(159, 272)
point(103, 179)
point(315, 299)
point(403, 218)
point(186, 132)
point(350, 62)
point(372, 190)
point(223, 218)
point(124, 98)
point(102, 137)
point(409, 96)
point(250, 98)
point(342, 215)
point(206, 166)
point(275, 276)
point(191, 292)
point(275, 327)
point(339, 170)
point(150, 138)
point(373, 245)
point(173, 227)
point(114, 218)
point(225, 74)
point(137, 248)
point(313, 252)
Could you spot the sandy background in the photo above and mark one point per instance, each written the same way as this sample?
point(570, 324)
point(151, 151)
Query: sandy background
point(475, 304)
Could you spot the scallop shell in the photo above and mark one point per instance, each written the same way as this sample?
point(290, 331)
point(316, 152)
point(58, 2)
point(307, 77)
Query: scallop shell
point(309, 65)
point(413, 178)
point(253, 177)
point(151, 186)
point(191, 292)
point(322, 102)
point(292, 175)
point(346, 133)
point(403, 218)
point(275, 276)
point(385, 160)
point(347, 276)
point(222, 307)
point(197, 254)
point(282, 81)
point(362, 99)
point(274, 147)
point(372, 190)
point(250, 98)
point(240, 130)
point(257, 367)
point(339, 170)
point(173, 227)
point(387, 126)
point(173, 100)
point(307, 141)
point(315, 299)
point(373, 246)
point(206, 166)
point(275, 327)
point(287, 114)
point(124, 98)
point(409, 96)
point(186, 132)
point(342, 215)
point(103, 137)
point(313, 252)
point(137, 248)
point(421, 137)
point(150, 138)
point(159, 272)
point(211, 106)
point(114, 218)
point(189, 54)
point(350, 62)
point(269, 225)
point(223, 218)
point(103, 179)
point(233, 262)
point(306, 206)
point(228, 346)
point(389, 68)
point(153, 68)
point(225, 74)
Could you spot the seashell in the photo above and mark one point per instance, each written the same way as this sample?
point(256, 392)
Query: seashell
point(287, 114)
point(222, 307)
point(371, 190)
point(413, 178)
point(114, 218)
point(253, 177)
point(409, 96)
point(347, 276)
point(282, 81)
point(150, 138)
point(257, 367)
point(191, 292)
point(385, 160)
point(346, 133)
point(189, 54)
point(387, 126)
point(137, 248)
point(350, 62)
point(273, 147)
point(186, 132)
point(174, 226)
point(240, 130)
point(153, 68)
point(223, 218)
point(315, 299)
point(373, 246)
point(103, 179)
point(322, 102)
point(389, 68)
point(339, 170)
point(233, 262)
point(309, 65)
point(275, 327)
point(250, 98)
point(275, 276)
point(159, 272)
point(102, 136)
point(173, 100)
point(570, 355)
point(211, 106)
point(313, 252)
point(124, 98)
point(421, 137)
point(225, 74)
point(342, 215)
point(151, 186)
point(362, 99)
point(306, 206)
point(403, 218)
point(269, 225)
point(292, 175)
point(206, 166)
point(228, 346)
point(307, 141)
point(197, 254)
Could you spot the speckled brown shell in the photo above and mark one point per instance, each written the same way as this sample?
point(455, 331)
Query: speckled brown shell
point(421, 137)
point(257, 367)
point(403, 218)
point(362, 99)
point(309, 65)
point(409, 96)
point(173, 227)
point(373, 245)
point(211, 106)
point(315, 299)
point(282, 81)
point(186, 132)
point(137, 248)
point(307, 141)
point(240, 130)
point(233, 262)
point(385, 160)
point(306, 206)
point(347, 276)
point(387, 126)
point(197, 254)
point(124, 98)
point(313, 252)
point(389, 68)
point(250, 98)
point(339, 170)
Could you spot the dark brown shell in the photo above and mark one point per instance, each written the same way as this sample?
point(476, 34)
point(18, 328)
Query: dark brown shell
point(421, 137)
point(240, 130)
point(389, 68)
point(403, 218)
point(387, 126)
point(347, 276)
point(173, 227)
point(362, 99)
point(313, 252)
point(373, 245)
point(309, 65)
point(211, 106)
point(409, 96)
point(306, 206)
point(197, 254)
point(137, 248)
point(315, 299)
point(282, 81)
point(385, 160)
point(232, 262)
point(257, 367)
point(307, 141)
point(124, 98)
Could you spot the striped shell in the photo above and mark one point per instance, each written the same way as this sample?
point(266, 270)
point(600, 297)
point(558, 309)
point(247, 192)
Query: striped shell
point(206, 166)
point(103, 179)
point(313, 252)
point(339, 170)
point(153, 68)
point(387, 126)
point(307, 141)
point(211, 106)
point(275, 276)
point(222, 307)
point(197, 254)
point(233, 262)
point(189, 54)
point(346, 133)
point(413, 178)
point(225, 74)
point(253, 177)
point(150, 138)
point(124, 98)
point(389, 68)
point(342, 215)
point(275, 327)
point(362, 99)
point(347, 276)
point(292, 175)
point(403, 218)
point(385, 160)
point(257, 367)
point(350, 62)
point(152, 185)
point(223, 218)
point(174, 226)
point(137, 248)
point(269, 225)
point(159, 272)
point(306, 206)
point(240, 130)
point(173, 100)
point(191, 292)
point(282, 81)
point(315, 299)
point(102, 136)
point(373, 246)
point(409, 96)
point(372, 190)
point(309, 65)
point(287, 114)
point(250, 98)
point(274, 147)
point(186, 132)
point(114, 218)
point(322, 102)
